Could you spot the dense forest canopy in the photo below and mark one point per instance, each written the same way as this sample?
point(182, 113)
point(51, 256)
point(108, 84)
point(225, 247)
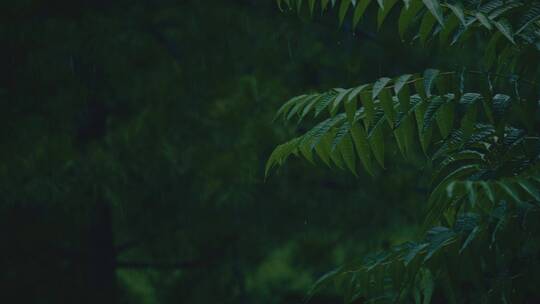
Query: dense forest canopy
point(139, 160)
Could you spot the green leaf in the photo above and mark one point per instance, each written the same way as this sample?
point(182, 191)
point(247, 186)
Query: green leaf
point(451, 189)
point(413, 252)
point(438, 237)
point(354, 93)
point(469, 98)
point(347, 151)
point(468, 121)
point(298, 107)
point(376, 139)
point(452, 22)
point(324, 5)
point(323, 151)
point(458, 173)
point(432, 108)
point(350, 109)
point(429, 78)
point(530, 189)
point(400, 140)
point(506, 29)
point(323, 281)
point(458, 12)
point(488, 191)
point(337, 102)
point(491, 50)
point(459, 34)
point(427, 285)
point(404, 100)
point(289, 104)
point(406, 17)
point(469, 239)
point(490, 5)
point(359, 11)
point(340, 134)
point(383, 12)
point(387, 104)
point(469, 186)
point(407, 124)
point(336, 156)
point(406, 4)
point(369, 107)
point(508, 5)
point(484, 20)
point(324, 102)
point(435, 9)
point(307, 153)
point(510, 191)
point(445, 118)
point(311, 6)
point(530, 17)
point(501, 103)
point(500, 213)
point(319, 131)
point(310, 103)
point(281, 153)
point(400, 82)
point(362, 146)
point(425, 136)
point(426, 27)
point(344, 7)
point(379, 85)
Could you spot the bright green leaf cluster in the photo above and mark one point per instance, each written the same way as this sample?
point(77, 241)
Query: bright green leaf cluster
point(409, 109)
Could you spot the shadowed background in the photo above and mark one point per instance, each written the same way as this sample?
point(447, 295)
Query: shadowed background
point(133, 142)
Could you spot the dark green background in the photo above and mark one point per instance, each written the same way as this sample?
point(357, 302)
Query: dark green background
point(134, 136)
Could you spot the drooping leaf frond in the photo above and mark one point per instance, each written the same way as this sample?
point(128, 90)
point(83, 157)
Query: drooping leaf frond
point(483, 157)
point(518, 21)
point(410, 270)
point(477, 131)
point(415, 111)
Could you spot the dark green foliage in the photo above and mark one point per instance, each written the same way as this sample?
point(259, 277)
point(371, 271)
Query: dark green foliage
point(134, 135)
point(133, 139)
point(479, 146)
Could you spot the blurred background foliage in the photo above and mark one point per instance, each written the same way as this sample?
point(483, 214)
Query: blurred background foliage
point(133, 142)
